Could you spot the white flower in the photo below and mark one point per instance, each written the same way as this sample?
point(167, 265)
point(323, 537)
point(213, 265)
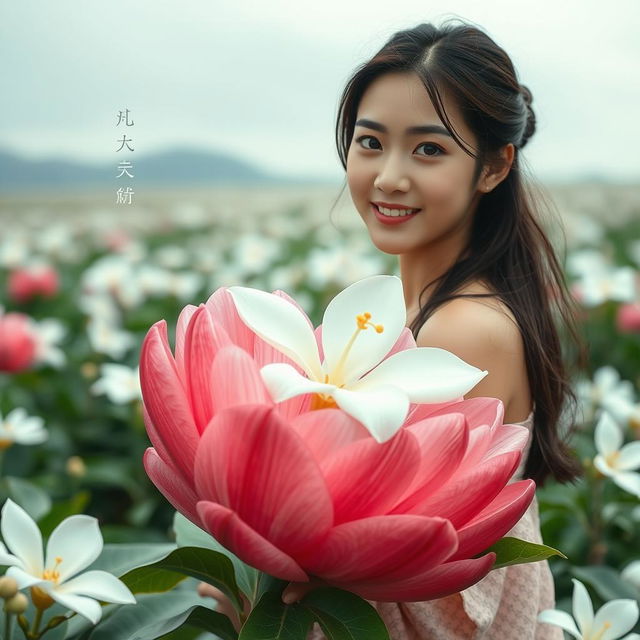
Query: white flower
point(613, 459)
point(121, 384)
point(73, 545)
point(20, 428)
point(611, 621)
point(617, 284)
point(355, 374)
point(605, 389)
point(48, 334)
point(105, 337)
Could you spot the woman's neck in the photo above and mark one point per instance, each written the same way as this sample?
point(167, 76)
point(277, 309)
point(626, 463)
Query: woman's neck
point(419, 269)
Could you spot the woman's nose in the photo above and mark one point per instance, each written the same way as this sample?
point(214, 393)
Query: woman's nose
point(391, 177)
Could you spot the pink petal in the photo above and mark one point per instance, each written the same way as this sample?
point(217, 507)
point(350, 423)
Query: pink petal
point(166, 402)
point(367, 478)
point(202, 341)
point(385, 547)
point(464, 496)
point(294, 407)
point(234, 534)
point(478, 411)
point(439, 582)
point(496, 519)
point(264, 353)
point(326, 431)
point(170, 484)
point(405, 341)
point(443, 442)
point(252, 462)
point(181, 329)
point(489, 442)
point(224, 313)
point(236, 380)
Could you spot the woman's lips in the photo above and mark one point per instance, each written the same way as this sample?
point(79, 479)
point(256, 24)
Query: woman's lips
point(392, 220)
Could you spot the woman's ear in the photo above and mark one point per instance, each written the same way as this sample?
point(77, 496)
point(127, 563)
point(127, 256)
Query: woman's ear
point(495, 172)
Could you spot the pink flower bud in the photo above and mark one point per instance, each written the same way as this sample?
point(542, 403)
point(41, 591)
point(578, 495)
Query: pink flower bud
point(26, 283)
point(17, 343)
point(628, 317)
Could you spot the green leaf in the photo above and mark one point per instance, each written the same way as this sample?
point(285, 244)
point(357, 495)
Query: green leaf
point(30, 497)
point(606, 582)
point(151, 579)
point(61, 510)
point(272, 619)
point(343, 615)
point(203, 564)
point(119, 559)
point(510, 551)
point(189, 535)
point(198, 617)
point(129, 620)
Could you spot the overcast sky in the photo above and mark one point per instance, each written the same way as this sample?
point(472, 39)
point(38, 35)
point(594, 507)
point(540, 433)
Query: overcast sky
point(261, 78)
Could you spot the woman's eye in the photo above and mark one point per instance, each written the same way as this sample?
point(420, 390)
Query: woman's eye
point(361, 140)
point(431, 149)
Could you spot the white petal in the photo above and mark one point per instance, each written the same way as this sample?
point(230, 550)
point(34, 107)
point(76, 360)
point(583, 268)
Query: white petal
point(382, 410)
point(284, 382)
point(582, 607)
point(560, 619)
point(631, 573)
point(603, 466)
point(86, 607)
point(78, 541)
point(622, 615)
point(21, 534)
point(100, 585)
point(382, 297)
point(629, 481)
point(280, 324)
point(23, 578)
point(608, 437)
point(629, 458)
point(425, 374)
point(8, 560)
point(631, 636)
point(606, 378)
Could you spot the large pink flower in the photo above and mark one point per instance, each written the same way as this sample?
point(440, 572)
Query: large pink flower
point(18, 343)
point(298, 493)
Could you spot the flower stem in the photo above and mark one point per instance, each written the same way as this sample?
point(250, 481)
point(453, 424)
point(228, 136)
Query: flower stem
point(8, 619)
point(597, 549)
point(36, 623)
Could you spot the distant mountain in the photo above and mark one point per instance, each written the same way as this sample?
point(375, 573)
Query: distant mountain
point(176, 168)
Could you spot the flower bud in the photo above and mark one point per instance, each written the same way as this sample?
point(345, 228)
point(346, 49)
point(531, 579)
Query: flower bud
point(16, 604)
point(76, 467)
point(8, 587)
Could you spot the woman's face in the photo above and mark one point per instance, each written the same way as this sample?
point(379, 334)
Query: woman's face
point(424, 170)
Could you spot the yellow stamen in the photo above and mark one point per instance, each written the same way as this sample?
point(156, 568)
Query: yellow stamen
point(600, 633)
point(612, 459)
point(362, 322)
point(5, 444)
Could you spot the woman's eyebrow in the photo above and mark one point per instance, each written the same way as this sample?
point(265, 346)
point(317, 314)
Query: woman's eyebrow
point(427, 128)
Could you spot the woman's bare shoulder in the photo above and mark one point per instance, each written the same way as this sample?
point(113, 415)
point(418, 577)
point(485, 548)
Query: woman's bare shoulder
point(472, 319)
point(484, 333)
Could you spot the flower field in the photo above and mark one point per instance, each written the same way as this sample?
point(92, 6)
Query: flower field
point(82, 282)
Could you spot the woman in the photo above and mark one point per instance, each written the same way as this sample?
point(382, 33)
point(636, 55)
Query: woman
point(429, 131)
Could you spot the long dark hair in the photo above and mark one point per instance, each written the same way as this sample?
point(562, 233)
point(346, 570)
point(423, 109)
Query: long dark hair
point(508, 248)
